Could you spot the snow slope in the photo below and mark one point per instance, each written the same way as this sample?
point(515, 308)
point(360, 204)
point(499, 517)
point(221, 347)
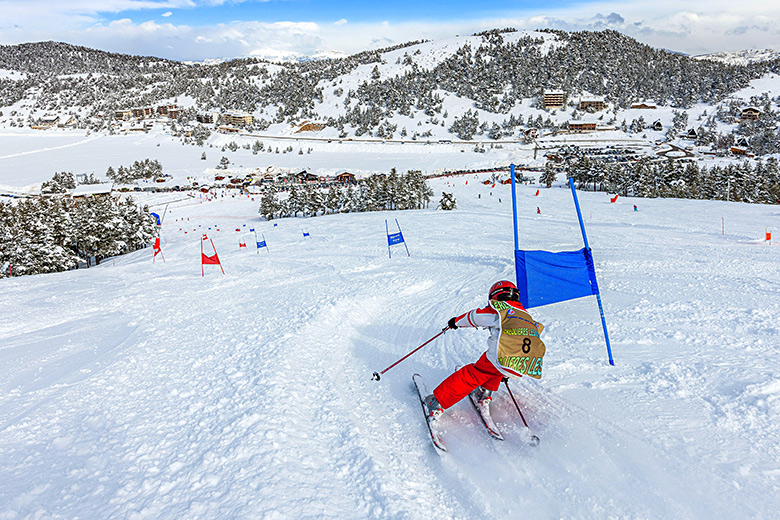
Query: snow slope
point(143, 390)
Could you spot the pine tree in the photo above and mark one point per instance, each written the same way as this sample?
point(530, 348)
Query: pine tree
point(447, 201)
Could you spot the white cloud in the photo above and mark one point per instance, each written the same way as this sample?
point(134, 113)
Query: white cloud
point(166, 15)
point(340, 22)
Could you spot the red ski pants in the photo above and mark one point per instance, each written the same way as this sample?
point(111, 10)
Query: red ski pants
point(462, 382)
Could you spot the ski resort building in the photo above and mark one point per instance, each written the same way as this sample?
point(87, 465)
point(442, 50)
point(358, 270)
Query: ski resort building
point(346, 178)
point(123, 115)
point(644, 106)
point(554, 98)
point(236, 118)
point(82, 191)
point(205, 117)
point(592, 104)
point(142, 112)
point(171, 111)
point(582, 126)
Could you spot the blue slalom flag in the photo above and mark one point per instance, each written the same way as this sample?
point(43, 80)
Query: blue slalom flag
point(261, 244)
point(251, 230)
point(395, 238)
point(305, 234)
point(544, 277)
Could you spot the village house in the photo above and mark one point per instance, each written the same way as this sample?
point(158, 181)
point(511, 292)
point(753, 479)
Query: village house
point(657, 126)
point(554, 98)
point(592, 104)
point(750, 114)
point(46, 122)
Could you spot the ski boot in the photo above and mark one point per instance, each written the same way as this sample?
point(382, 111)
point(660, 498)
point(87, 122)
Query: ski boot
point(433, 407)
point(482, 395)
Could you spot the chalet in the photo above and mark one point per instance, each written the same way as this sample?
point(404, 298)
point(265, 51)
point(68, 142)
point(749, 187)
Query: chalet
point(582, 126)
point(657, 126)
point(738, 150)
point(49, 121)
point(346, 178)
point(66, 120)
point(644, 106)
point(554, 98)
point(123, 115)
point(304, 176)
point(228, 130)
point(690, 134)
point(742, 142)
point(592, 104)
point(750, 114)
point(236, 118)
point(531, 133)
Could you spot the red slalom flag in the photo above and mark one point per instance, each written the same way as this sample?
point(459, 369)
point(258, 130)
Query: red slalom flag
point(613, 199)
point(241, 243)
point(537, 193)
point(157, 250)
point(209, 260)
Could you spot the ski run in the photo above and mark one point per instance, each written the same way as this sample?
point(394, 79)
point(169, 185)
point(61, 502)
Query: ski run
point(141, 389)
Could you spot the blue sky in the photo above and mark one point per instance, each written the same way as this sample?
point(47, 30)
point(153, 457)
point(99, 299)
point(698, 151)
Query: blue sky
point(201, 29)
point(205, 13)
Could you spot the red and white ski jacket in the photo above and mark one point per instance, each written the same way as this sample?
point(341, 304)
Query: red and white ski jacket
point(487, 317)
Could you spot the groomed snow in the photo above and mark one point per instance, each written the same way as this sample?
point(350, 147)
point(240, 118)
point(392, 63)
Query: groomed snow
point(143, 390)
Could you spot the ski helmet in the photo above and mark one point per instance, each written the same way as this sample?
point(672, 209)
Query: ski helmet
point(504, 291)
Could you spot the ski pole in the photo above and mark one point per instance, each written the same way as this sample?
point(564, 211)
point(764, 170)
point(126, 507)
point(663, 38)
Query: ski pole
point(534, 440)
point(506, 383)
point(377, 375)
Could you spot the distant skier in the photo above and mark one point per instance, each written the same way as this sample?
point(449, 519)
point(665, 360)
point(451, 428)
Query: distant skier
point(538, 210)
point(635, 208)
point(514, 349)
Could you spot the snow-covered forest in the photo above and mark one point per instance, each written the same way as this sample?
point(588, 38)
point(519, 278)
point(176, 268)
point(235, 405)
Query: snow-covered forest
point(55, 232)
point(407, 91)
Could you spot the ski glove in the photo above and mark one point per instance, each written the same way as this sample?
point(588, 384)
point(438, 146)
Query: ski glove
point(451, 323)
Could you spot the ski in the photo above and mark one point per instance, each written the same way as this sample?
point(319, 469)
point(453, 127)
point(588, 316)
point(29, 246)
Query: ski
point(422, 391)
point(484, 413)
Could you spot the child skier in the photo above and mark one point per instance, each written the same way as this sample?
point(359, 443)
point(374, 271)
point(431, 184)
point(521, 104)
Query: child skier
point(514, 349)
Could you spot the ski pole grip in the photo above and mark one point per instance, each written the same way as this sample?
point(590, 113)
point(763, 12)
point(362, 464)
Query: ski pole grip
point(375, 377)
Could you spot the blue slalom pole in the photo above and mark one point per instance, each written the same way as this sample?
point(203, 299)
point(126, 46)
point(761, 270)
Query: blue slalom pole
point(387, 234)
point(402, 234)
point(587, 247)
point(514, 206)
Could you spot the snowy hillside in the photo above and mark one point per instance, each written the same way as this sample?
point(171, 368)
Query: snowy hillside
point(742, 57)
point(143, 390)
